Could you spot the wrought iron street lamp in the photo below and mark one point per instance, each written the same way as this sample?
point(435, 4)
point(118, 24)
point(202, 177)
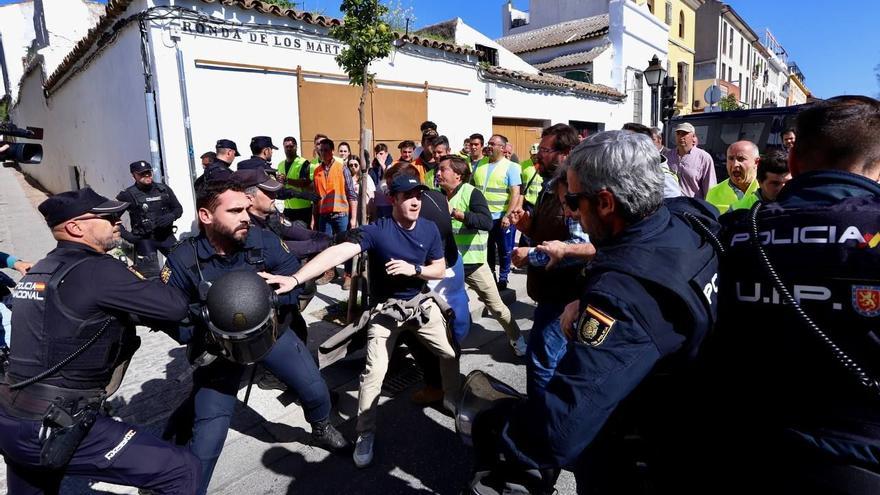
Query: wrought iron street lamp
point(654, 75)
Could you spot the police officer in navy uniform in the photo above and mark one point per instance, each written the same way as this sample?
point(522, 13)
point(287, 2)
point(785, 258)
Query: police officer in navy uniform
point(798, 383)
point(152, 209)
point(75, 316)
point(227, 241)
point(648, 303)
point(261, 149)
point(226, 151)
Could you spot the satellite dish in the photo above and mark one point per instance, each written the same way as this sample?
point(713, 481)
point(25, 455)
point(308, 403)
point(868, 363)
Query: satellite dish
point(712, 95)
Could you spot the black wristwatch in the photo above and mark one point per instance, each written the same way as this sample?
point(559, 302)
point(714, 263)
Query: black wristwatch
point(418, 270)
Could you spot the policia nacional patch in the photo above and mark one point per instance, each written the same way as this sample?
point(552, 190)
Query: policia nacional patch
point(593, 326)
point(165, 274)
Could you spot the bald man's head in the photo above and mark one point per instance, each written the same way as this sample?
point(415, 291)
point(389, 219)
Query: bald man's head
point(742, 163)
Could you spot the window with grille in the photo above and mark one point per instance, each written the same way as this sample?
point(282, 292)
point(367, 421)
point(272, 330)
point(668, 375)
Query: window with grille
point(668, 13)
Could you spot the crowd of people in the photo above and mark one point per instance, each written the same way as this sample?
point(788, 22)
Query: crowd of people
point(655, 286)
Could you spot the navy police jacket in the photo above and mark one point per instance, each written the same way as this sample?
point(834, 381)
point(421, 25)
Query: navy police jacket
point(195, 259)
point(822, 237)
point(651, 294)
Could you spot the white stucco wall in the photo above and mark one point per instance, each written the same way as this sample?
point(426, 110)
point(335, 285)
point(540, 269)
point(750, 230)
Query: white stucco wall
point(468, 36)
point(17, 28)
point(636, 36)
point(67, 22)
point(515, 102)
point(95, 122)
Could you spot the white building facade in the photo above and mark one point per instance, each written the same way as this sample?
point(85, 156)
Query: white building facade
point(608, 42)
point(163, 80)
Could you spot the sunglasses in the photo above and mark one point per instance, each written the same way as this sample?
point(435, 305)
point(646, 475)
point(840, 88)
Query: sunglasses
point(573, 200)
point(113, 218)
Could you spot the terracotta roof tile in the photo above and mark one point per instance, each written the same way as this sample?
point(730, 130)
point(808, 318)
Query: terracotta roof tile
point(572, 59)
point(115, 8)
point(557, 34)
point(440, 45)
point(550, 81)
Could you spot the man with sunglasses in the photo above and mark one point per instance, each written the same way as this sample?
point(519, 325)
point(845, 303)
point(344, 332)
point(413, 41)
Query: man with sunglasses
point(152, 210)
point(75, 316)
point(648, 302)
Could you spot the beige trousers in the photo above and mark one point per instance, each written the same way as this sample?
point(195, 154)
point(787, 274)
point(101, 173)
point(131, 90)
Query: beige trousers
point(483, 283)
point(381, 336)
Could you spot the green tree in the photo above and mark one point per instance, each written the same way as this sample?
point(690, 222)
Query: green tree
point(367, 38)
point(729, 103)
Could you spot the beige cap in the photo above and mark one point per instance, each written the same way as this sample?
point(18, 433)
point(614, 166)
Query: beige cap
point(686, 127)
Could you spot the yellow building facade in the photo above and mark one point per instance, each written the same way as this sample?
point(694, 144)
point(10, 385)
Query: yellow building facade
point(681, 17)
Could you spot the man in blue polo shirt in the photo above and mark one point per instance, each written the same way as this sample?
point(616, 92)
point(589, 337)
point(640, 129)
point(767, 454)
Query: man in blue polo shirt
point(407, 252)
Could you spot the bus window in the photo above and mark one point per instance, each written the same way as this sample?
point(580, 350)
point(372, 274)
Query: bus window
point(702, 133)
point(730, 134)
point(752, 131)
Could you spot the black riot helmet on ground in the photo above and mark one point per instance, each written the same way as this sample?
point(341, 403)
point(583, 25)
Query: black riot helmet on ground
point(240, 312)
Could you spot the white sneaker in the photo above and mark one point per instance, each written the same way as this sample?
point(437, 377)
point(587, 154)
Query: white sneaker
point(363, 449)
point(519, 346)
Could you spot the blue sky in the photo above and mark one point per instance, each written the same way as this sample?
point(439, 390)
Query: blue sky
point(836, 44)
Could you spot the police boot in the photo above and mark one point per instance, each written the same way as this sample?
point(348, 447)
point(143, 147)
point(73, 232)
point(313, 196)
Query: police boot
point(325, 435)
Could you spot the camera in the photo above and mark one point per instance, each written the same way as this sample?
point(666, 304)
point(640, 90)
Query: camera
point(27, 153)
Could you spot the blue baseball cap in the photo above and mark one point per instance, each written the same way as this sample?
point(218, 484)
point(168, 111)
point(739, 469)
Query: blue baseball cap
point(405, 183)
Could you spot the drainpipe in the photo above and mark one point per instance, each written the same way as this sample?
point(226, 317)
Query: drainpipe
point(184, 101)
point(150, 104)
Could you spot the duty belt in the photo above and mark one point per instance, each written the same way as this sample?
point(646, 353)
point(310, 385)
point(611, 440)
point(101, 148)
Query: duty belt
point(32, 402)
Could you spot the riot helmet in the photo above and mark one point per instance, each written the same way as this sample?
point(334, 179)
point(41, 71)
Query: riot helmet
point(239, 309)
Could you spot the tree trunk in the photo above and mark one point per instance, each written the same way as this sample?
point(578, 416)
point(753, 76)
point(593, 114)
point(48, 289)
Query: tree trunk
point(358, 275)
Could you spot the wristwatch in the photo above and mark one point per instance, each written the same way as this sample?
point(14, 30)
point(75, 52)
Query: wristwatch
point(418, 270)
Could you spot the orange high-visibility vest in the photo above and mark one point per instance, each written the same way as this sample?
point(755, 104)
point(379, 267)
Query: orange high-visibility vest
point(331, 188)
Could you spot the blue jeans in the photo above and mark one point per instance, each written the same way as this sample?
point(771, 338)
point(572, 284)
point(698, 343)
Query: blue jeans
point(332, 225)
point(547, 345)
point(215, 387)
point(501, 242)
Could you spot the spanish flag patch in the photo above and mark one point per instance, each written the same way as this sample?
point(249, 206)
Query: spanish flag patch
point(594, 325)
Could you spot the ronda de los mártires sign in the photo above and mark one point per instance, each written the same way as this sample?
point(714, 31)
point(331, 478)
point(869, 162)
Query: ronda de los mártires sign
point(256, 36)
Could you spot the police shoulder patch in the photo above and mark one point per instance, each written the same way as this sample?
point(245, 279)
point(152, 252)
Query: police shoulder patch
point(285, 222)
point(165, 274)
point(594, 326)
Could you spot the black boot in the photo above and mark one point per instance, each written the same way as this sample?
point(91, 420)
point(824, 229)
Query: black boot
point(325, 435)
